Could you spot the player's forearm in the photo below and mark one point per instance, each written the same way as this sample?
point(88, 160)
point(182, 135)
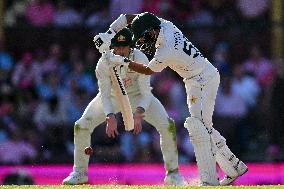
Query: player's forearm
point(105, 91)
point(122, 21)
point(130, 17)
point(140, 68)
point(145, 101)
point(145, 91)
point(107, 105)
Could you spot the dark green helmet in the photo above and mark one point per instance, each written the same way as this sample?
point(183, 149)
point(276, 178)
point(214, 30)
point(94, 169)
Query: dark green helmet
point(143, 23)
point(122, 38)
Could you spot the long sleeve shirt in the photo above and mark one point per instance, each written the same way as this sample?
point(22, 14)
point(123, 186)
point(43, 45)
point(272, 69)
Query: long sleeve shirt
point(135, 83)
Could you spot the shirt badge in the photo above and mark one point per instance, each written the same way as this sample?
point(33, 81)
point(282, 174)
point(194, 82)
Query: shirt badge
point(193, 100)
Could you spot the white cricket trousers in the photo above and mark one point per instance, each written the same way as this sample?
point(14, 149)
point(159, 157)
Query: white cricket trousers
point(201, 101)
point(93, 116)
point(201, 98)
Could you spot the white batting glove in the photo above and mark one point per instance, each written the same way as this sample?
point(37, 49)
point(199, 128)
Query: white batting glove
point(119, 23)
point(103, 40)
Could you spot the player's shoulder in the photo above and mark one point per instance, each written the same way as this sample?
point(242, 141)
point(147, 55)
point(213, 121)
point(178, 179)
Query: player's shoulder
point(164, 21)
point(102, 62)
point(139, 56)
point(166, 24)
point(137, 52)
point(169, 28)
point(163, 51)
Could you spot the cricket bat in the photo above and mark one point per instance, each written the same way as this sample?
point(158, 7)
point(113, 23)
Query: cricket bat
point(122, 99)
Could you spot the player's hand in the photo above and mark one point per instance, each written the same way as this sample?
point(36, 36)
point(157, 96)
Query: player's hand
point(103, 40)
point(138, 116)
point(111, 128)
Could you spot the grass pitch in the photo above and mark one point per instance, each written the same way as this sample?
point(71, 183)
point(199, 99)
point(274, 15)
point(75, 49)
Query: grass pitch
point(135, 187)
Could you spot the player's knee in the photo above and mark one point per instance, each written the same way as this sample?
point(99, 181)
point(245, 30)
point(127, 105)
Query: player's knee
point(78, 127)
point(167, 126)
point(172, 128)
point(197, 130)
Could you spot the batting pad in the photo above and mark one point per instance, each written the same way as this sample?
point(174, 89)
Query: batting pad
point(201, 142)
point(227, 161)
point(82, 139)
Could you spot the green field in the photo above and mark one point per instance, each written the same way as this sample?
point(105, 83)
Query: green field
point(135, 187)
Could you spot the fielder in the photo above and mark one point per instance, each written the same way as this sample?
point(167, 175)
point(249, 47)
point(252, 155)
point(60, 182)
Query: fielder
point(103, 107)
point(161, 38)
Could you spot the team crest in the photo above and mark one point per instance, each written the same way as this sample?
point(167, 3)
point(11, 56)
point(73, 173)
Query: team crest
point(121, 38)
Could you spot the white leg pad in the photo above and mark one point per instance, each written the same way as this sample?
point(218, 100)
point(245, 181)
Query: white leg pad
point(227, 161)
point(201, 142)
point(82, 139)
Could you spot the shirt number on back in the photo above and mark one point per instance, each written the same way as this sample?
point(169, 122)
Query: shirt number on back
point(190, 49)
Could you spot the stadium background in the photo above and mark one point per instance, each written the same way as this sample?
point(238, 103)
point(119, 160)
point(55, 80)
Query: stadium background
point(47, 63)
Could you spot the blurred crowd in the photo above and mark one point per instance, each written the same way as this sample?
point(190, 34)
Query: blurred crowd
point(44, 90)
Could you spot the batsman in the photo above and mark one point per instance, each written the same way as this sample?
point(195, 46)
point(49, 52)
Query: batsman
point(104, 106)
point(170, 48)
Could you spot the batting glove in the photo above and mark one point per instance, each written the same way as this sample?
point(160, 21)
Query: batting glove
point(103, 40)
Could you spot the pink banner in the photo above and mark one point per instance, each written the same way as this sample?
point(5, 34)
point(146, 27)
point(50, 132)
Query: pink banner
point(142, 174)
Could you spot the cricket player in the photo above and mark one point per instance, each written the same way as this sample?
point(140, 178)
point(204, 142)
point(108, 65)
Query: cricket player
point(104, 106)
point(170, 48)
